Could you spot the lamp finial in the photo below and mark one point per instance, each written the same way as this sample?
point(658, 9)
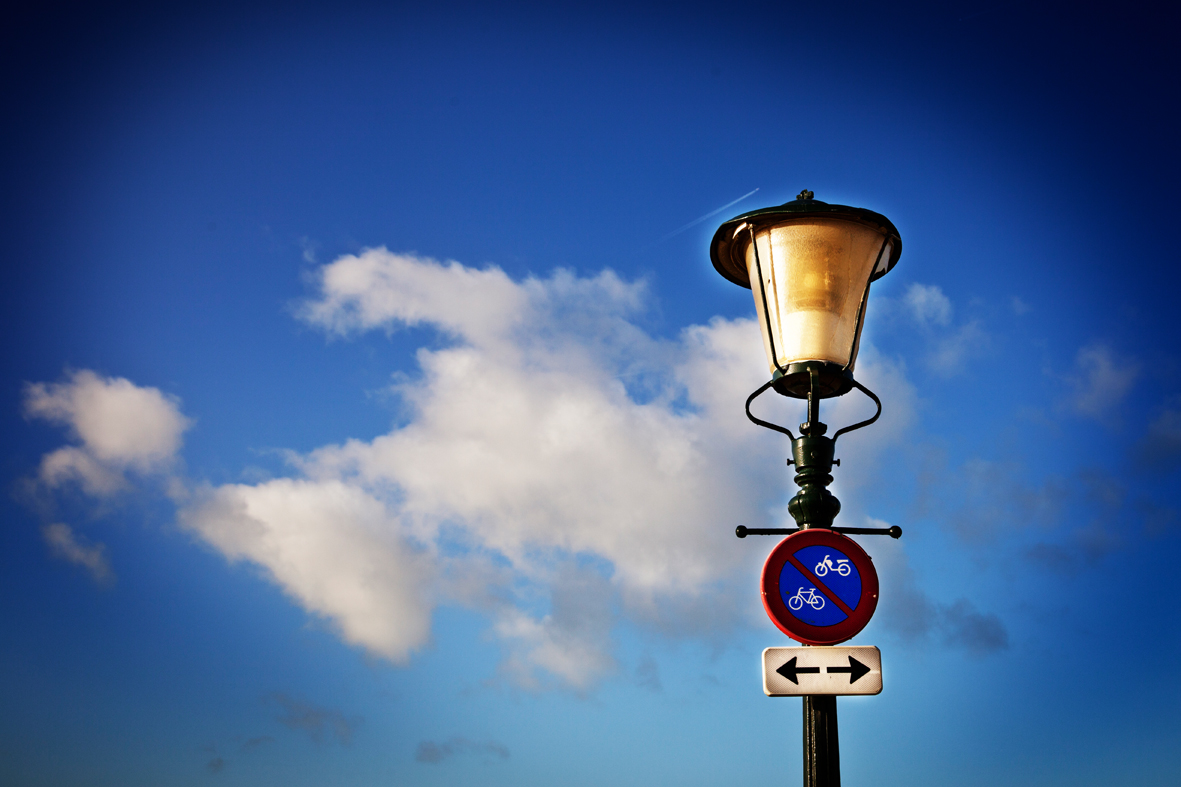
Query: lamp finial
point(805, 194)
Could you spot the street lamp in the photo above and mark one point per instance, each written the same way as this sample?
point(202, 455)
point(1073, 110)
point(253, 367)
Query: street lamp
point(810, 265)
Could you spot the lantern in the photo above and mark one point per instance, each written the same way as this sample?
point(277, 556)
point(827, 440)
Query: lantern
point(809, 265)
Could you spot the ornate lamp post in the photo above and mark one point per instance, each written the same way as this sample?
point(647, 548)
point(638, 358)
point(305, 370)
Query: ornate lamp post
point(810, 266)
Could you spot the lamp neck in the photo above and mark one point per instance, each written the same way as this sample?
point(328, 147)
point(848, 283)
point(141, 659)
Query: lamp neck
point(812, 454)
point(813, 427)
point(813, 505)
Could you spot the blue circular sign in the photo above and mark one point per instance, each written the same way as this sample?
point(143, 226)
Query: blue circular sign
point(819, 587)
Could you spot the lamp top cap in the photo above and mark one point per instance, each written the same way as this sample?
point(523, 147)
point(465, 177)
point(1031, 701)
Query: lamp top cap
point(728, 250)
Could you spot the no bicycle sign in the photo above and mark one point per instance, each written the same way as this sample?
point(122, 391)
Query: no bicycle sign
point(819, 587)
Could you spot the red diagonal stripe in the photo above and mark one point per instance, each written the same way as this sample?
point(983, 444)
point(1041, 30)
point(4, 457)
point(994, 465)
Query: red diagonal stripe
point(823, 588)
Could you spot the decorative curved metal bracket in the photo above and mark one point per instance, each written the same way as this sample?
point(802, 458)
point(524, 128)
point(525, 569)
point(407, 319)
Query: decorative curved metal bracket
point(866, 422)
point(784, 430)
point(812, 454)
point(767, 424)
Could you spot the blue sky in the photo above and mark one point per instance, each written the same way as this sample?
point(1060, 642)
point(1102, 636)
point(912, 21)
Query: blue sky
point(366, 420)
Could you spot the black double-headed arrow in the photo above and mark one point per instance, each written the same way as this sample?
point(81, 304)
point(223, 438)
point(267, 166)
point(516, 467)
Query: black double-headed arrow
point(856, 670)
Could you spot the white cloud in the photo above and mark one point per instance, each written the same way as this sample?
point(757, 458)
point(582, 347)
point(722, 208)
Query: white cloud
point(526, 433)
point(560, 467)
point(572, 642)
point(951, 350)
point(78, 465)
point(333, 548)
point(1101, 381)
point(927, 305)
point(120, 426)
point(67, 546)
point(379, 289)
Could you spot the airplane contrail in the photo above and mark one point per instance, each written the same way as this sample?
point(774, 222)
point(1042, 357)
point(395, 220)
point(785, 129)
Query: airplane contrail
point(679, 230)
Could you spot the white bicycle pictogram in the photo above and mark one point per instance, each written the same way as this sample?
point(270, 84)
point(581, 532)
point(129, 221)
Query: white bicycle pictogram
point(824, 566)
point(811, 599)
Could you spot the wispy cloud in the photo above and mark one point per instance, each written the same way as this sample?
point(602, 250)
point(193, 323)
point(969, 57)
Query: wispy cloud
point(980, 498)
point(951, 351)
point(927, 305)
point(320, 724)
point(433, 753)
point(1160, 448)
point(255, 743)
point(911, 615)
point(218, 762)
point(928, 309)
point(66, 545)
point(1113, 519)
point(961, 625)
point(648, 674)
point(1100, 381)
point(572, 642)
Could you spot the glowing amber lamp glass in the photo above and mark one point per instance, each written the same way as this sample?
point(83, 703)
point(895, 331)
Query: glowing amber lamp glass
point(815, 278)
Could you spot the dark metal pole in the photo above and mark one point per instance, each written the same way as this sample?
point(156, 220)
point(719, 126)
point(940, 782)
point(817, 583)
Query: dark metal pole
point(822, 754)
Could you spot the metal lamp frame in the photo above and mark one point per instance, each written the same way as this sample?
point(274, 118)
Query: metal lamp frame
point(813, 505)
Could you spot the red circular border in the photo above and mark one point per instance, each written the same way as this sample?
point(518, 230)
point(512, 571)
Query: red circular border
point(797, 629)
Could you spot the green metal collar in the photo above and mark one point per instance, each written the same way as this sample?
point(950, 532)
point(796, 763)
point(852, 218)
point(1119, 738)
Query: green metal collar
point(729, 257)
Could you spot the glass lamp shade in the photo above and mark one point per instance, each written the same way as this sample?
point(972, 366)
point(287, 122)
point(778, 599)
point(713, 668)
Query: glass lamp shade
point(810, 267)
point(814, 276)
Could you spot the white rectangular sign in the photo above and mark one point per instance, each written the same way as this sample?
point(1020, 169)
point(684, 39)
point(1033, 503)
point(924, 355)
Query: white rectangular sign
point(794, 672)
